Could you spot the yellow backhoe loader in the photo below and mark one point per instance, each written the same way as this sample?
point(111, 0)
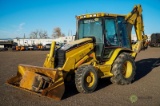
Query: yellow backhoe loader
point(102, 49)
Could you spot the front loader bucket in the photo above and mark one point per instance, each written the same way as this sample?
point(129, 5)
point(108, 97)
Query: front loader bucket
point(45, 81)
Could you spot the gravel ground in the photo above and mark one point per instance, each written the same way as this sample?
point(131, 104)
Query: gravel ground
point(146, 86)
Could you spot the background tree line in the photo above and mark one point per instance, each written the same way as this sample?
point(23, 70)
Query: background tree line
point(44, 35)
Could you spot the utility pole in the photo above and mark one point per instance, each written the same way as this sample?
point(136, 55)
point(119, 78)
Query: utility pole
point(24, 36)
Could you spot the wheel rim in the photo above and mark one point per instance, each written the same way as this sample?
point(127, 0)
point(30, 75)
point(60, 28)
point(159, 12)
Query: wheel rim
point(127, 69)
point(90, 79)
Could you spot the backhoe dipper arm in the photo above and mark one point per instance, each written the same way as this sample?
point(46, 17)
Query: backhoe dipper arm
point(135, 18)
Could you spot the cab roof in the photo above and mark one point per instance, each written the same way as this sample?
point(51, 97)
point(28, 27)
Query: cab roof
point(101, 14)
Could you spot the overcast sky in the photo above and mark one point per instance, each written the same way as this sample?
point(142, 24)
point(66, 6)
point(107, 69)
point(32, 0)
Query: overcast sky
point(19, 17)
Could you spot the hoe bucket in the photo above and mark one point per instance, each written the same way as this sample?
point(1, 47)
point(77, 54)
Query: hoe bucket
point(45, 81)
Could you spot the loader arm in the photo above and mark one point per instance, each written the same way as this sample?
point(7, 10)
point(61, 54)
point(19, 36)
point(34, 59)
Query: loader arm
point(135, 19)
point(49, 62)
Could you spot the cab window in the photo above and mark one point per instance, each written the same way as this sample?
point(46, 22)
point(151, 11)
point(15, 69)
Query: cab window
point(110, 32)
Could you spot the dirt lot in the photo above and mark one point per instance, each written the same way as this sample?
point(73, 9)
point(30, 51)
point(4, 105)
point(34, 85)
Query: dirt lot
point(146, 86)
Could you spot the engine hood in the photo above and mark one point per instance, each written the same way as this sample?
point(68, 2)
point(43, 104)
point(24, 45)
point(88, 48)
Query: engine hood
point(76, 43)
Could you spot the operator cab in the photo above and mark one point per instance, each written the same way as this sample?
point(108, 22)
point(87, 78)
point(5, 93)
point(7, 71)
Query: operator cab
point(109, 30)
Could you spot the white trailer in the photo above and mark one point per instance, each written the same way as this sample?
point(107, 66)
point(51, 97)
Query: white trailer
point(29, 43)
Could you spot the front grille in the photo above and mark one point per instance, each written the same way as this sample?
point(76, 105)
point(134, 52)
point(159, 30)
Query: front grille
point(60, 58)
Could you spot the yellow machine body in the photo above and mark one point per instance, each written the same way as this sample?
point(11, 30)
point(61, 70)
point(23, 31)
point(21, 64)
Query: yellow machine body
point(79, 56)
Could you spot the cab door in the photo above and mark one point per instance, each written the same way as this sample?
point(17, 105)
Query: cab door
point(111, 32)
point(123, 35)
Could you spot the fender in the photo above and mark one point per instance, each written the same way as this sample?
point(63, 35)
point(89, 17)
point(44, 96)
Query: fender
point(117, 52)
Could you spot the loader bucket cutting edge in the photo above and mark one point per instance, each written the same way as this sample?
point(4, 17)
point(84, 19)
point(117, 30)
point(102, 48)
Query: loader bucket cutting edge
point(45, 81)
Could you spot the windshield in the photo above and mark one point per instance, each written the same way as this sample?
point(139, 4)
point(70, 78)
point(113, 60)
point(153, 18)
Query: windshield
point(90, 27)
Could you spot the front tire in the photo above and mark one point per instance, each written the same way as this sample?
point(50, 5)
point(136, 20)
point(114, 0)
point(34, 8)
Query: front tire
point(123, 69)
point(86, 79)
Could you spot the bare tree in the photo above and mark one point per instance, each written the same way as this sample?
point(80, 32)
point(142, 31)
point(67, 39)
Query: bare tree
point(34, 34)
point(43, 34)
point(38, 34)
point(57, 33)
point(63, 35)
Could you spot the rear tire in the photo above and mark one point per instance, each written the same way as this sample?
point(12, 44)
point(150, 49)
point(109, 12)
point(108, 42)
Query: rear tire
point(123, 69)
point(86, 79)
